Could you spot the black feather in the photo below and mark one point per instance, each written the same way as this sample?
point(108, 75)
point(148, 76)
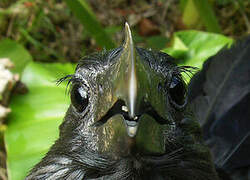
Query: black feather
point(220, 96)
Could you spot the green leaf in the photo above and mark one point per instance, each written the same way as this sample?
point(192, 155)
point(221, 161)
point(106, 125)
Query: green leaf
point(192, 48)
point(33, 123)
point(88, 19)
point(16, 53)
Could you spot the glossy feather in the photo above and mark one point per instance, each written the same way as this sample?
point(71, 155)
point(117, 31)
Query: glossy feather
point(220, 96)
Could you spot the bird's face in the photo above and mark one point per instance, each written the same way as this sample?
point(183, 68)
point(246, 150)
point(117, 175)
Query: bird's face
point(128, 119)
point(128, 100)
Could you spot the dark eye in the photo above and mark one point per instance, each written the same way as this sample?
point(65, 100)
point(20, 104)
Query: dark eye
point(177, 92)
point(79, 98)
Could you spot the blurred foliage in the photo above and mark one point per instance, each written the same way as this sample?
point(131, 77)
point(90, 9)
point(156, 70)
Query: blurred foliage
point(57, 30)
point(43, 28)
point(194, 47)
point(52, 31)
point(194, 10)
point(89, 21)
point(16, 52)
point(33, 123)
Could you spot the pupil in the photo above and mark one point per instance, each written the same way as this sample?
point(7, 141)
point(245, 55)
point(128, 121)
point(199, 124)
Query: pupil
point(177, 91)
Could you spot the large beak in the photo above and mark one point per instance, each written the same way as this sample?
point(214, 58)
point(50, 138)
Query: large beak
point(130, 59)
point(133, 88)
point(127, 69)
point(129, 84)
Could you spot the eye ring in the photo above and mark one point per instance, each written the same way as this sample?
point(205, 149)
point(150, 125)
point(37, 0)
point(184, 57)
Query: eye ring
point(79, 97)
point(177, 92)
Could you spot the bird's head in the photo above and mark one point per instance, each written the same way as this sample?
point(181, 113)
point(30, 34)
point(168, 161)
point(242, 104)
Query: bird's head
point(128, 119)
point(127, 100)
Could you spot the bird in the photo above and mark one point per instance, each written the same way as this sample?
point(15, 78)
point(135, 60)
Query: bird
point(129, 119)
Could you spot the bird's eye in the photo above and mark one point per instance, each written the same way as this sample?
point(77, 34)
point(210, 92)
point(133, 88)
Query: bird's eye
point(79, 98)
point(177, 92)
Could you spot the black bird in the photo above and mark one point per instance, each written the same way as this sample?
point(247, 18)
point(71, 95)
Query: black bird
point(129, 118)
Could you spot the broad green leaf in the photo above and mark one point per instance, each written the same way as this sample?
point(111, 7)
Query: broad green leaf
point(16, 53)
point(32, 126)
point(88, 19)
point(192, 48)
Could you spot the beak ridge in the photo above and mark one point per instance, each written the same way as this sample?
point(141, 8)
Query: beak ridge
point(130, 58)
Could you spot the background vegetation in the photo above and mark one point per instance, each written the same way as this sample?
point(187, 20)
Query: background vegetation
point(40, 35)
